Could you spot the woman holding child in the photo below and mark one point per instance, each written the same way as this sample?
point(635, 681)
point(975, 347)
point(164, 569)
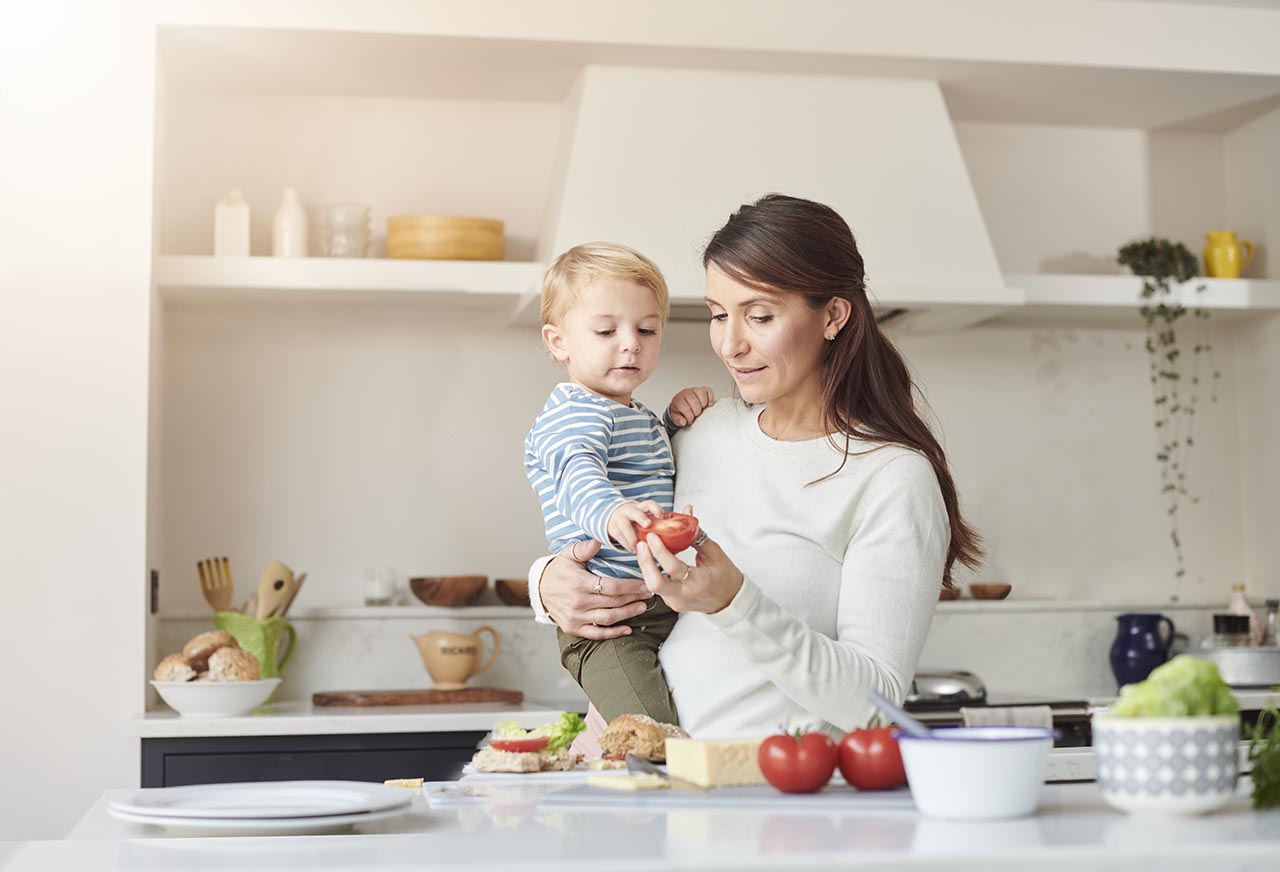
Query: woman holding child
point(832, 516)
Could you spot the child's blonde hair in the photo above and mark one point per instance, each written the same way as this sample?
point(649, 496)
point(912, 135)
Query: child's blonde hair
point(571, 271)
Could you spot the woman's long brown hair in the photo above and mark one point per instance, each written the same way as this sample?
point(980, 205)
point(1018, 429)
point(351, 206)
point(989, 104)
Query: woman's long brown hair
point(788, 245)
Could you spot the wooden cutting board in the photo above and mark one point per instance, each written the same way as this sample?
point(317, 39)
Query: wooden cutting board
point(414, 697)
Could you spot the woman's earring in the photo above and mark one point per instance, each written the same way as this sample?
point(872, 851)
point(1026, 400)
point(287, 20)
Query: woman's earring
point(831, 337)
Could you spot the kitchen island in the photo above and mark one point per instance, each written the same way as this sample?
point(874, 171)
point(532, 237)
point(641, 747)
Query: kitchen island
point(512, 829)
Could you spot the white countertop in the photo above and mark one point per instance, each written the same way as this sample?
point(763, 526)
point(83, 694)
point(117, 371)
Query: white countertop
point(303, 719)
point(510, 831)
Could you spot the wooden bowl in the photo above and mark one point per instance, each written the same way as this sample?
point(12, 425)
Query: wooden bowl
point(451, 591)
point(512, 591)
point(948, 593)
point(989, 591)
point(445, 237)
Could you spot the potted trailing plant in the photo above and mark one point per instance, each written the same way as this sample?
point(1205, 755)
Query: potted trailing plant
point(1177, 357)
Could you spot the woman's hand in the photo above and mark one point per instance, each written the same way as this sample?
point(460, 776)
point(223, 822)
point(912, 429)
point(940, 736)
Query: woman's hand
point(707, 587)
point(586, 605)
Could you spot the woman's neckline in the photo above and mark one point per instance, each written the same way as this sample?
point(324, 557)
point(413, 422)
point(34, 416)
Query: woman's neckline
point(760, 426)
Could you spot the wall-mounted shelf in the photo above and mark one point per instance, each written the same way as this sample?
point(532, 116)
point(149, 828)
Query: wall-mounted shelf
point(1114, 300)
point(193, 279)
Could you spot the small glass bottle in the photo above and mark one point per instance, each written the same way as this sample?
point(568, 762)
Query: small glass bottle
point(1239, 605)
point(1271, 636)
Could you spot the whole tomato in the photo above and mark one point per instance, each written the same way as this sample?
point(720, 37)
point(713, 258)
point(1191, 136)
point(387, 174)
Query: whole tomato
point(796, 763)
point(870, 759)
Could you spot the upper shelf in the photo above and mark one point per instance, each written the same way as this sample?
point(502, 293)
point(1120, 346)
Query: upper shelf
point(513, 285)
point(1114, 300)
point(333, 279)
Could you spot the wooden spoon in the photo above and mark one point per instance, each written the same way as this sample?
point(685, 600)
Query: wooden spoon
point(273, 588)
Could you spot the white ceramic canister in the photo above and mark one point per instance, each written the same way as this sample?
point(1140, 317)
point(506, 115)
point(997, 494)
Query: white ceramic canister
point(231, 226)
point(289, 231)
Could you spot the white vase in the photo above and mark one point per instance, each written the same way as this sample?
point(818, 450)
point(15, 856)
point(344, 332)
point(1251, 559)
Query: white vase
point(289, 231)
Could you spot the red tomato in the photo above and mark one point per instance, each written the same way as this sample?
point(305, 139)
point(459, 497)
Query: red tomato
point(676, 530)
point(520, 746)
point(870, 759)
point(798, 764)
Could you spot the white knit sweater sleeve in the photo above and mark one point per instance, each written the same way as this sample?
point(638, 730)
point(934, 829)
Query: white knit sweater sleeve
point(891, 575)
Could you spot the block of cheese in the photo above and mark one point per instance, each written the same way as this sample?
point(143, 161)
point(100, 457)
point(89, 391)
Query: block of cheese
point(715, 762)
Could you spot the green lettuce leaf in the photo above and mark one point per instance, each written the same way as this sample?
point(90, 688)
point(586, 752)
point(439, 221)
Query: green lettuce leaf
point(559, 733)
point(1185, 687)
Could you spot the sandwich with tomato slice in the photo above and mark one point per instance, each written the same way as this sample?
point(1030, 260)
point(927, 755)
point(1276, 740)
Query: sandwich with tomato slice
point(544, 749)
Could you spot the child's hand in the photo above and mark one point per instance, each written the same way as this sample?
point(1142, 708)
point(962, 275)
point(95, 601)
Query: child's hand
point(622, 522)
point(687, 405)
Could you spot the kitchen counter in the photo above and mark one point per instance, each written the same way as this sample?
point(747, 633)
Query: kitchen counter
point(1073, 829)
point(303, 719)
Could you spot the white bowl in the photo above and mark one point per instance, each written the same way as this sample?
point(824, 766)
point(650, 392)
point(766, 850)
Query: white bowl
point(1167, 766)
point(977, 773)
point(215, 699)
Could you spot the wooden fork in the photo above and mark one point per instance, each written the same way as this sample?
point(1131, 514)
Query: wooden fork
point(216, 583)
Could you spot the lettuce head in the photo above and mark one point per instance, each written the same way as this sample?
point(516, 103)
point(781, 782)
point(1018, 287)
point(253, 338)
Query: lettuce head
point(1185, 687)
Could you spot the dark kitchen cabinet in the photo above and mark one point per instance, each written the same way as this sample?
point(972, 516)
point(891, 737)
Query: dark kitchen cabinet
point(170, 762)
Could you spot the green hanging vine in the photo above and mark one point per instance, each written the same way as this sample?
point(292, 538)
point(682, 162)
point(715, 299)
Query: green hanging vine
point(1175, 377)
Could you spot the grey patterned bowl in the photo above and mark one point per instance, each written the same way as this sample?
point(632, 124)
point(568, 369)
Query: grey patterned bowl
point(1167, 766)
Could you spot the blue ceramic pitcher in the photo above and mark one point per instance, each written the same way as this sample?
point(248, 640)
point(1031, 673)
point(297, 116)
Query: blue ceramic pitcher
point(1139, 647)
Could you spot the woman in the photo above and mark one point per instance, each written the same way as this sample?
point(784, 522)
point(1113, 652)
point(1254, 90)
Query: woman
point(834, 515)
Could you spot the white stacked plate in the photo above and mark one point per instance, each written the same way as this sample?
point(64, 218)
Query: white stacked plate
point(263, 808)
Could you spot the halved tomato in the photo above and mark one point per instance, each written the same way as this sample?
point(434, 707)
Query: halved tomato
point(676, 530)
point(520, 746)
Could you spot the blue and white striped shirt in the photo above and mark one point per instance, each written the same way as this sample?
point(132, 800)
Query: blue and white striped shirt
point(585, 455)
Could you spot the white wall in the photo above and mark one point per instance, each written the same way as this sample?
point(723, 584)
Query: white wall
point(1253, 186)
point(75, 220)
point(336, 437)
point(1064, 199)
point(453, 157)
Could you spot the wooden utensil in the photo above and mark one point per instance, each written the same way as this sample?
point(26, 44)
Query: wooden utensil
point(216, 583)
point(273, 588)
point(414, 697)
point(297, 583)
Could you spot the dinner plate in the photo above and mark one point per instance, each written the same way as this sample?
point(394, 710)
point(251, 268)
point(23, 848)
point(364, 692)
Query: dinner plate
point(298, 826)
point(263, 800)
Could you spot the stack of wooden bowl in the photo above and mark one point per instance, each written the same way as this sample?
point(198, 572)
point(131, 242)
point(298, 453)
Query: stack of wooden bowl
point(445, 237)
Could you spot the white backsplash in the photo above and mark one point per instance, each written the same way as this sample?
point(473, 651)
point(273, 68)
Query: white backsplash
point(1016, 647)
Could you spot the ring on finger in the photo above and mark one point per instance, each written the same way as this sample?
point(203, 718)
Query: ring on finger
point(596, 587)
point(700, 538)
point(687, 571)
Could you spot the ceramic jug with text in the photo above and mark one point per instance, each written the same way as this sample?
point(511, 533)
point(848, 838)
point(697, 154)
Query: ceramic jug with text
point(1139, 646)
point(453, 658)
point(1224, 255)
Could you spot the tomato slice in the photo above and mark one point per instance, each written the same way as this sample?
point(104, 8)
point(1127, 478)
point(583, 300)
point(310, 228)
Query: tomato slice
point(676, 530)
point(520, 746)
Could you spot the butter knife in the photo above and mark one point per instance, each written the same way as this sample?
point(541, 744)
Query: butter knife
point(638, 765)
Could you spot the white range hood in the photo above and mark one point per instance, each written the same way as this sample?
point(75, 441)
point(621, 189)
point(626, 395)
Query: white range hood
point(658, 158)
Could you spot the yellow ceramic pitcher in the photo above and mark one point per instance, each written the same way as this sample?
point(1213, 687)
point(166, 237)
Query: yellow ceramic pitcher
point(1224, 255)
